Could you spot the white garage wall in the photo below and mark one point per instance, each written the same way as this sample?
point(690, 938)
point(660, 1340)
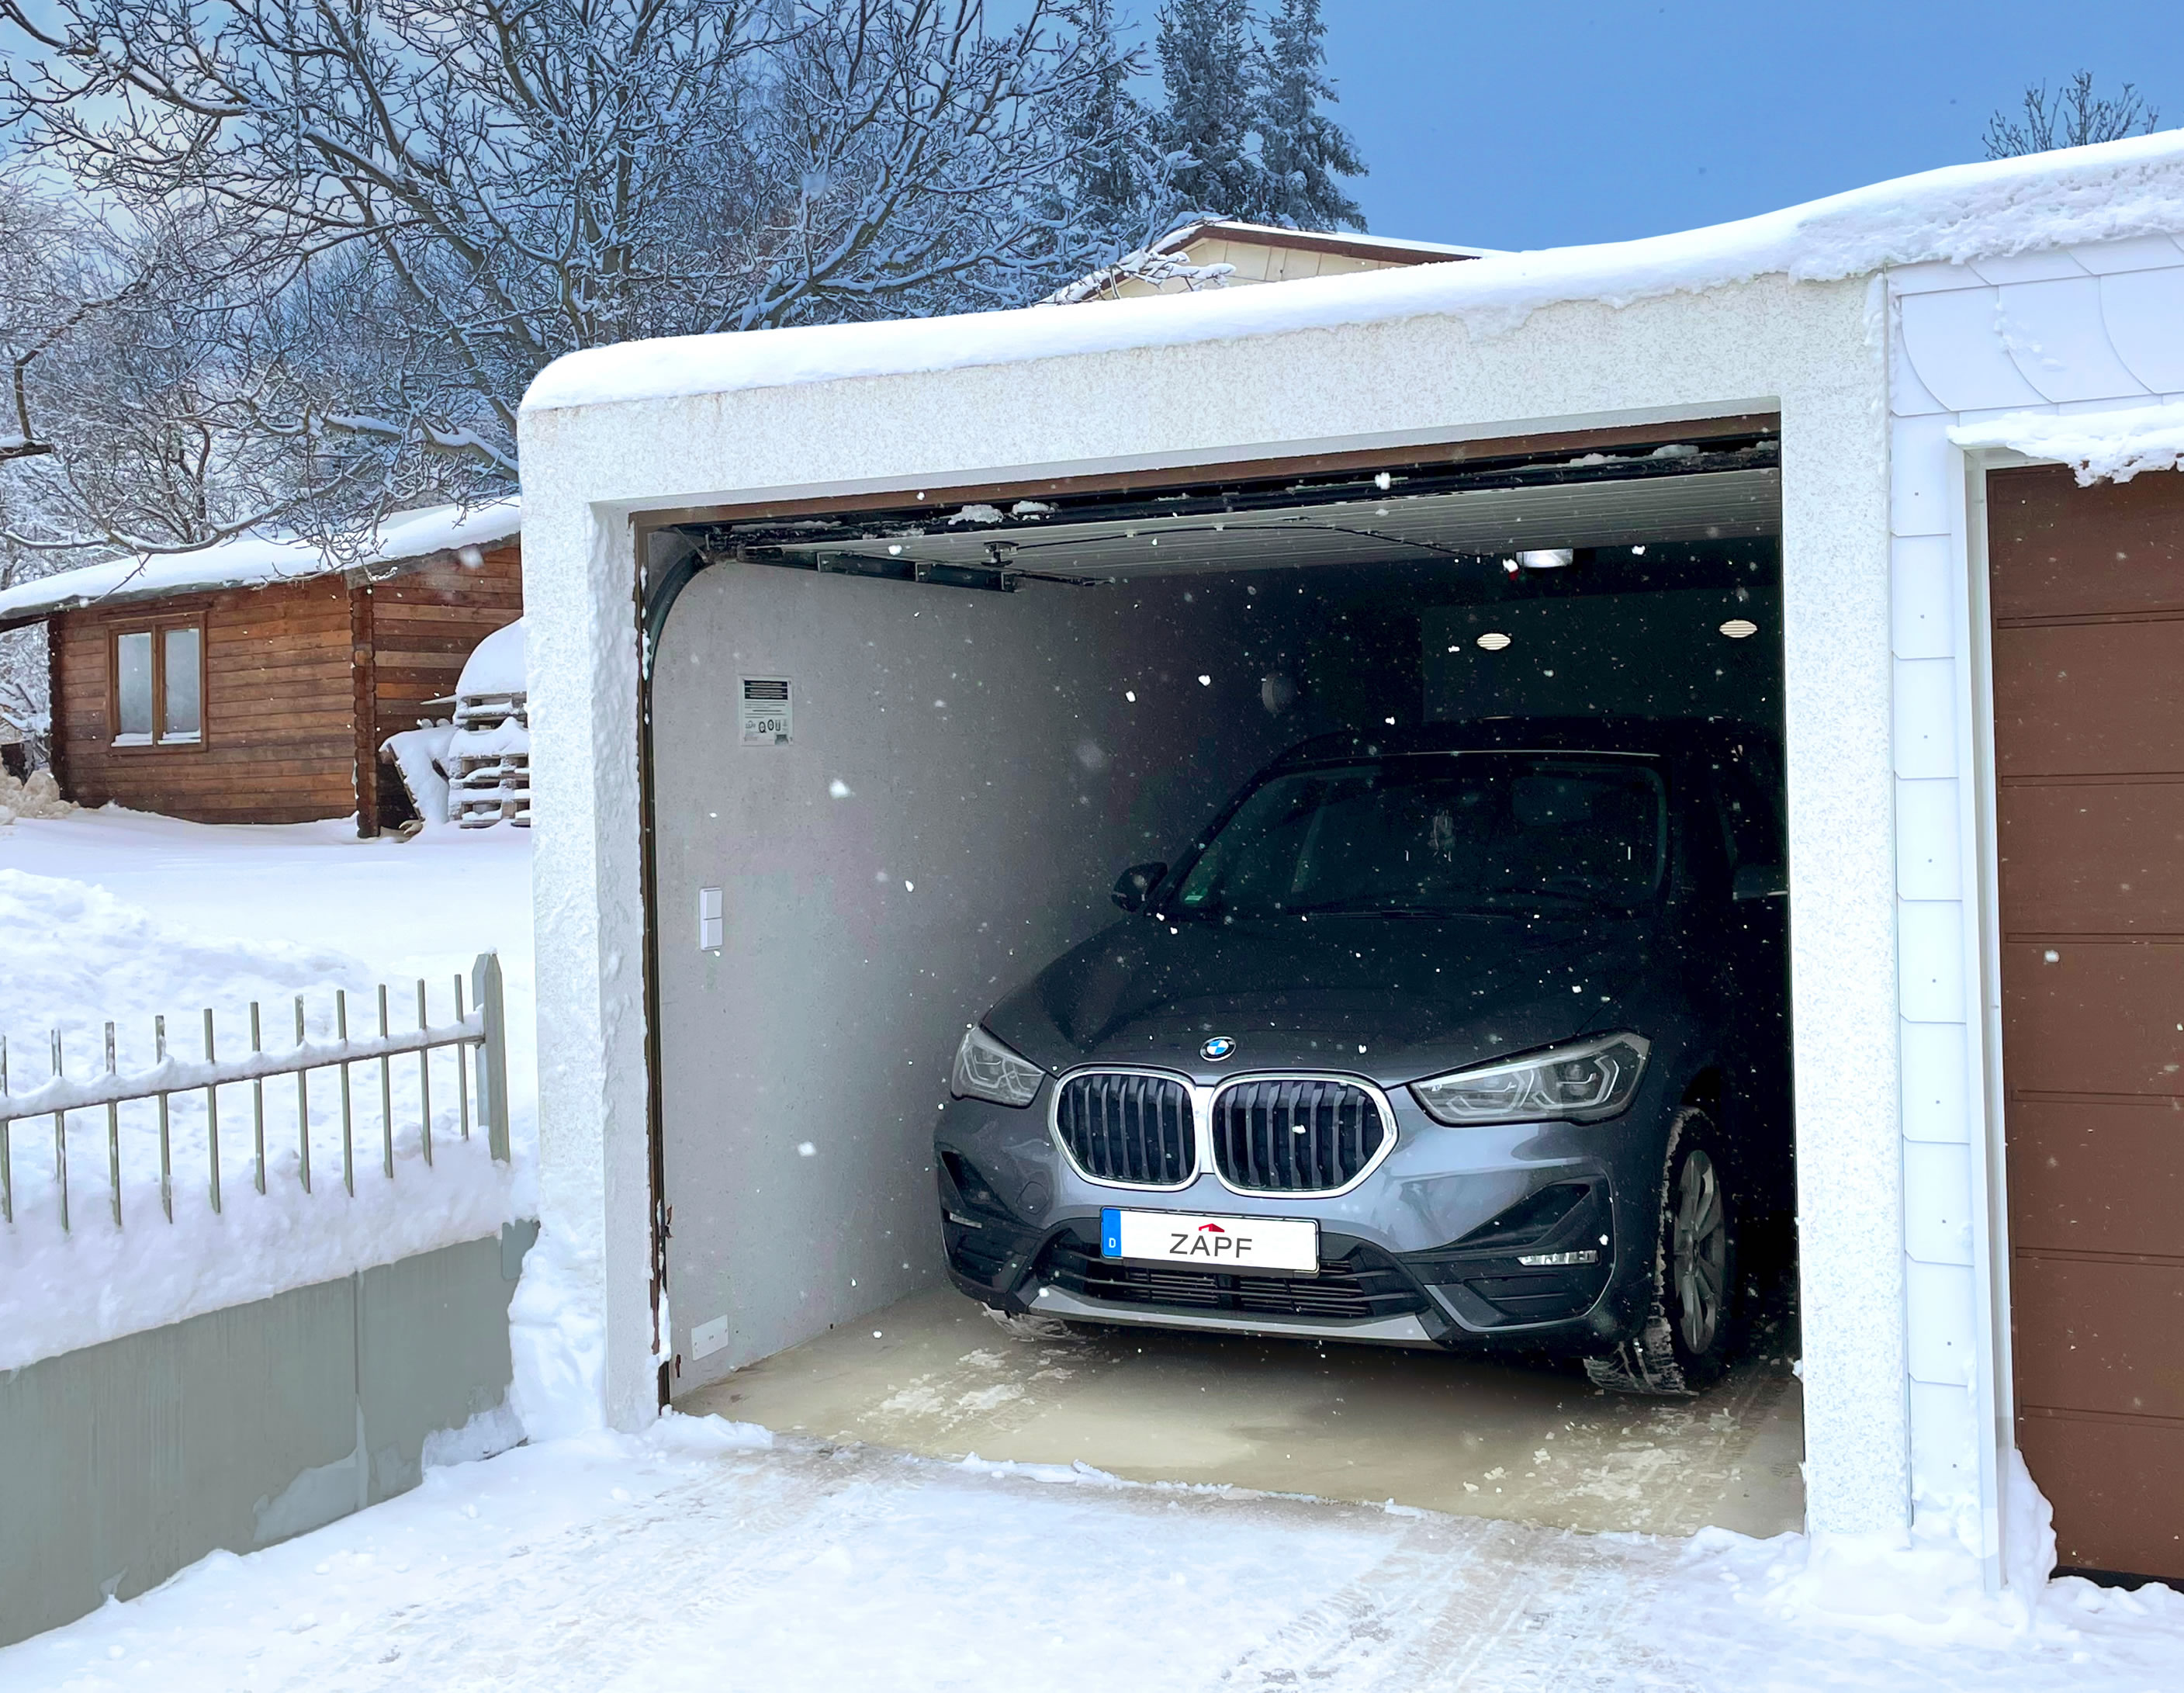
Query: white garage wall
point(2084, 329)
point(968, 773)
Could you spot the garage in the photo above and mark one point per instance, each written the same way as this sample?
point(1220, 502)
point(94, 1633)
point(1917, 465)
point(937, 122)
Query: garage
point(909, 744)
point(2088, 651)
point(1852, 396)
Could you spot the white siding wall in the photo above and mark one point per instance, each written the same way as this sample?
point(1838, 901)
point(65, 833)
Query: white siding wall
point(2088, 329)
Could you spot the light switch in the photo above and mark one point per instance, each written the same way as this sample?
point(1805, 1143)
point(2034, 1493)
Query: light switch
point(712, 926)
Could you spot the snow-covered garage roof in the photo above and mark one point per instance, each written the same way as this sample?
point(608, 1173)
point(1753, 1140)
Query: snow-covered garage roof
point(407, 539)
point(1961, 215)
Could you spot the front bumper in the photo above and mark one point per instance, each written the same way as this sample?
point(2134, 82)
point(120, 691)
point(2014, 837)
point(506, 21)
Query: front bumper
point(1428, 1251)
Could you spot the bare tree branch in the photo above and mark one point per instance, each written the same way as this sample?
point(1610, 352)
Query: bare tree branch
point(2073, 116)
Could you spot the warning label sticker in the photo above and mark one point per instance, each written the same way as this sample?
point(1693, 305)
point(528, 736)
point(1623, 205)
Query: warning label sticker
point(766, 708)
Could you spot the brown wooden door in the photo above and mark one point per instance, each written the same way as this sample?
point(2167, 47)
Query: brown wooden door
point(2088, 591)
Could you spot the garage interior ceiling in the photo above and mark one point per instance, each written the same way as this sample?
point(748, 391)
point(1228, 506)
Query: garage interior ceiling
point(1672, 495)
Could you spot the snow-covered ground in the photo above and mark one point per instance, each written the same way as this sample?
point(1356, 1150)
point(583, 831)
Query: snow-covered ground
point(114, 915)
point(707, 1554)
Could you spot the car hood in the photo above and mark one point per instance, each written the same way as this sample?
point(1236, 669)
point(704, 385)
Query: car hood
point(1389, 998)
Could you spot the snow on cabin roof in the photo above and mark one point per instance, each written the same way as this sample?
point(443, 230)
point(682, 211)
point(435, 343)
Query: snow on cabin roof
point(406, 537)
point(1959, 214)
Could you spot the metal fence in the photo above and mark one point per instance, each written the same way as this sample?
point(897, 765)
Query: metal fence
point(478, 1036)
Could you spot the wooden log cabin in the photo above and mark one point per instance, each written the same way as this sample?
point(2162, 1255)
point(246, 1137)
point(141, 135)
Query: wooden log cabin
point(255, 681)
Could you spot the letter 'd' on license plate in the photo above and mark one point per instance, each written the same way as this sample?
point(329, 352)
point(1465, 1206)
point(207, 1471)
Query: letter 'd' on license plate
point(1285, 1245)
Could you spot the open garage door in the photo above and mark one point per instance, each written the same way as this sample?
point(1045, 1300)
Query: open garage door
point(2087, 600)
point(898, 755)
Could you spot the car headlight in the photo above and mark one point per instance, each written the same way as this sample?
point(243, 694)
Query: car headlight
point(987, 1070)
point(1581, 1083)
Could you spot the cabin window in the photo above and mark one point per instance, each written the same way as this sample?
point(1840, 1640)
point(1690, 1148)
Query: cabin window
point(159, 684)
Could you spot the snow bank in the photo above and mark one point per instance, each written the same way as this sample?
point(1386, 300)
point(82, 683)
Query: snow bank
point(557, 1338)
point(37, 795)
point(78, 957)
point(1927, 1594)
point(253, 562)
point(1955, 215)
point(2101, 445)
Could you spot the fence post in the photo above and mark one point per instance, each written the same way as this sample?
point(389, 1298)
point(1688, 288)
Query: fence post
point(493, 1054)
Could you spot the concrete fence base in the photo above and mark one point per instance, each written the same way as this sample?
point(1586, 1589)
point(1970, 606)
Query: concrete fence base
point(123, 1463)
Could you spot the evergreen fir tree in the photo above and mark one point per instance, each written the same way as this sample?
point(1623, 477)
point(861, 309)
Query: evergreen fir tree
point(1116, 185)
point(1302, 149)
point(1208, 66)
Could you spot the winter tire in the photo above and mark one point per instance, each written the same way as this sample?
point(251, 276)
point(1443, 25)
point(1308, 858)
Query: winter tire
point(1692, 1326)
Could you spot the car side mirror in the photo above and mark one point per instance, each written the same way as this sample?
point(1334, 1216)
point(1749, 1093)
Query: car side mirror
point(1759, 882)
point(1133, 884)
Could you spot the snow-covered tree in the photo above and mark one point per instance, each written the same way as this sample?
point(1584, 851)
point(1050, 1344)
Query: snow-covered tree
point(1245, 119)
point(140, 378)
point(315, 252)
point(1302, 149)
point(1208, 65)
point(2073, 116)
point(1118, 185)
point(423, 202)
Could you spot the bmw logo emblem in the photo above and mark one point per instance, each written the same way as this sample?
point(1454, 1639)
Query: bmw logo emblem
point(1218, 1047)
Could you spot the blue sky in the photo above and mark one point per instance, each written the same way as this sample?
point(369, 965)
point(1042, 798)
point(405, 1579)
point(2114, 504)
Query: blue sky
point(1533, 125)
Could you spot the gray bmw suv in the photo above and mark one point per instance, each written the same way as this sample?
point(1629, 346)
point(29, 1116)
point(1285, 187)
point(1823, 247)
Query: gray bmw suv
point(1471, 1037)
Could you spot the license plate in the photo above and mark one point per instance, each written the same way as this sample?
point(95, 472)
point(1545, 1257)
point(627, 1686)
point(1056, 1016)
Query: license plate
point(1211, 1243)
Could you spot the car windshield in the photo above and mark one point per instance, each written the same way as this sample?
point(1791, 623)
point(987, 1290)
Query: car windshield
point(1438, 834)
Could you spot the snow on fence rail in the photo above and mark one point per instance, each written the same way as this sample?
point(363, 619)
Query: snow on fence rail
point(481, 1028)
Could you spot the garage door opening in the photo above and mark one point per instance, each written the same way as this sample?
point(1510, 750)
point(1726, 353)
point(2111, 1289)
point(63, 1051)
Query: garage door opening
point(898, 755)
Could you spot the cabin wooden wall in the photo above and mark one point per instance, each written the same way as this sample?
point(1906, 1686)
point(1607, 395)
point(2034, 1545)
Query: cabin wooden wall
point(279, 743)
point(304, 682)
point(416, 629)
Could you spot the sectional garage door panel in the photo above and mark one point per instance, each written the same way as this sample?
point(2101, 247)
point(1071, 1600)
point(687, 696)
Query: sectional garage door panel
point(2097, 854)
point(2088, 699)
point(2058, 567)
point(2063, 1157)
point(2096, 1315)
point(2102, 1466)
point(2094, 1015)
point(2086, 592)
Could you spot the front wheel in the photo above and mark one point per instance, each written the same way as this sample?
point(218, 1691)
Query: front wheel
point(1690, 1325)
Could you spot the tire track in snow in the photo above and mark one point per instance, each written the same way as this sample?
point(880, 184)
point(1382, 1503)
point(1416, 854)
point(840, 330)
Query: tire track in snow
point(1476, 1604)
point(725, 1549)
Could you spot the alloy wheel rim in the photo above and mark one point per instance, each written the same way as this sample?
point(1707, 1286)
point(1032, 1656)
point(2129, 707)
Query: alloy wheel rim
point(1700, 1255)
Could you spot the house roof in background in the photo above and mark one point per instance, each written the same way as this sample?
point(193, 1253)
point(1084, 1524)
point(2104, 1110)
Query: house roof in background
point(406, 540)
point(1380, 247)
point(1205, 254)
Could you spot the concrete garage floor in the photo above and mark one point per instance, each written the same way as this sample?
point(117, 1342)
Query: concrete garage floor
point(932, 1376)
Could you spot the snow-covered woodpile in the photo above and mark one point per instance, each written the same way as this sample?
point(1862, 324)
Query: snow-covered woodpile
point(488, 754)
